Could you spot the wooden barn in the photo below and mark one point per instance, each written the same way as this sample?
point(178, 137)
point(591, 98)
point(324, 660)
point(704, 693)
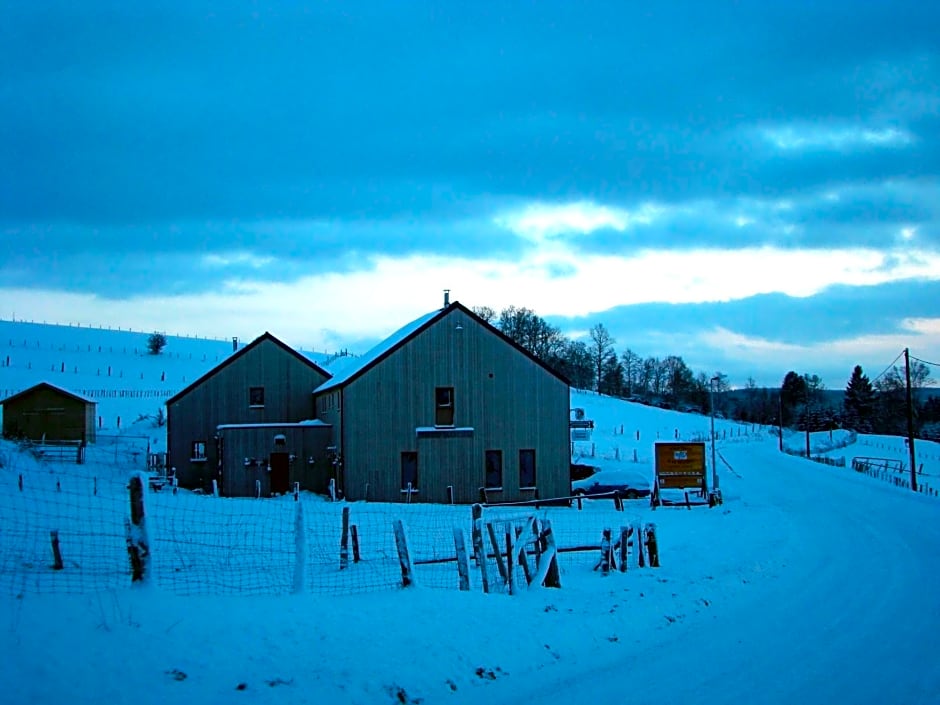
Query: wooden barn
point(250, 400)
point(444, 408)
point(45, 411)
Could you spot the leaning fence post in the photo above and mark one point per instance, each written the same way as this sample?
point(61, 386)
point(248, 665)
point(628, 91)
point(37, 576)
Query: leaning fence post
point(510, 568)
point(56, 553)
point(404, 557)
point(499, 556)
point(479, 550)
point(138, 545)
point(548, 573)
point(344, 541)
point(463, 565)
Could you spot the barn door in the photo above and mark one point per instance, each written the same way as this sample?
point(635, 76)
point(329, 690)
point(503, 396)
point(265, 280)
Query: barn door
point(280, 473)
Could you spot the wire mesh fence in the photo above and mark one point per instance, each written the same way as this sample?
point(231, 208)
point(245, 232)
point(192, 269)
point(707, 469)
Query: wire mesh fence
point(67, 528)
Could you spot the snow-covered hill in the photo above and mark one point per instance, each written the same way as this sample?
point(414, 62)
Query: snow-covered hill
point(113, 367)
point(810, 584)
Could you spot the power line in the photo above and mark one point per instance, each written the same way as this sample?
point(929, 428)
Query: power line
point(926, 362)
point(900, 354)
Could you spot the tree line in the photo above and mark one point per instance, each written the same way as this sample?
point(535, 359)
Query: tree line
point(596, 364)
point(801, 402)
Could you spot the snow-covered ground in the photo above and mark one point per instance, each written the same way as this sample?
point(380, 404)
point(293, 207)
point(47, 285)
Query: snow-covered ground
point(811, 584)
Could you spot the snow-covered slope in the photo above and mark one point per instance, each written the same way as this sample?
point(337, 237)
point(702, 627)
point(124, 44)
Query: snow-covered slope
point(811, 584)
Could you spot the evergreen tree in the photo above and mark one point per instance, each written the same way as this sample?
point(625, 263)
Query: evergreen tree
point(859, 401)
point(793, 396)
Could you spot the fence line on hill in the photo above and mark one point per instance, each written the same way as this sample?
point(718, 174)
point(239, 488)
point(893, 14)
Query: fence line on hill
point(76, 532)
point(97, 394)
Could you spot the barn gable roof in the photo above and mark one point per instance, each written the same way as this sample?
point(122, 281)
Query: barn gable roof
point(48, 385)
point(236, 355)
point(356, 368)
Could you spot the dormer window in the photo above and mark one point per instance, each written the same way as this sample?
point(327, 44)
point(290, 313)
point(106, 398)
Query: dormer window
point(444, 406)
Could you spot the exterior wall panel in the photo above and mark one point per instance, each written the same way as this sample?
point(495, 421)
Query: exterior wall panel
point(508, 400)
point(223, 398)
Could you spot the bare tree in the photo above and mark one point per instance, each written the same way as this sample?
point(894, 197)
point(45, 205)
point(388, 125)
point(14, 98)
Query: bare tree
point(601, 348)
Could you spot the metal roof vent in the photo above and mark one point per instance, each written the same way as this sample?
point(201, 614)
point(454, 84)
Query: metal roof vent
point(446, 298)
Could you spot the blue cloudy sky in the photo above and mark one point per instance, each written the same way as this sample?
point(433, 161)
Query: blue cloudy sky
point(750, 185)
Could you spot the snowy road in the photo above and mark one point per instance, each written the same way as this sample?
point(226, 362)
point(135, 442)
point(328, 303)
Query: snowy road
point(849, 611)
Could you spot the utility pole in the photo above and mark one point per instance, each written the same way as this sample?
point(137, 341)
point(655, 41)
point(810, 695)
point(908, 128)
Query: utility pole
point(910, 419)
point(780, 419)
point(711, 401)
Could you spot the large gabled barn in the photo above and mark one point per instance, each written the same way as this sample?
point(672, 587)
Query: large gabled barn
point(448, 407)
point(248, 424)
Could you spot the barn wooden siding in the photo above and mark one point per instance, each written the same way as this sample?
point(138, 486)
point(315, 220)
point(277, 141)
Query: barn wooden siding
point(222, 397)
point(509, 400)
point(246, 452)
point(46, 411)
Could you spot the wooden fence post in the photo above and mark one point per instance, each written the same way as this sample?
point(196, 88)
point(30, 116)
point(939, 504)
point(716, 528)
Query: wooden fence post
point(56, 553)
point(463, 565)
point(510, 569)
point(548, 573)
point(354, 534)
point(499, 556)
point(138, 545)
point(404, 558)
point(652, 546)
point(606, 553)
point(479, 549)
point(344, 541)
point(300, 550)
point(625, 533)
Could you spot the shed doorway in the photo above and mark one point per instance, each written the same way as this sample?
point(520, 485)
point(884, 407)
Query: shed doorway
point(280, 472)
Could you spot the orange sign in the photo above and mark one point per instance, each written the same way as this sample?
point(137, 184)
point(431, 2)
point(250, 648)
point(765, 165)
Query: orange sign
point(680, 465)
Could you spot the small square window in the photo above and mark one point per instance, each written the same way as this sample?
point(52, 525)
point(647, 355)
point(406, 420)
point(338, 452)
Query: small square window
point(444, 406)
point(256, 396)
point(198, 451)
point(494, 469)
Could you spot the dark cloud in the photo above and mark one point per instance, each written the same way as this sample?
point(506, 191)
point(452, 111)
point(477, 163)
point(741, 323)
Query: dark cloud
point(118, 114)
point(838, 313)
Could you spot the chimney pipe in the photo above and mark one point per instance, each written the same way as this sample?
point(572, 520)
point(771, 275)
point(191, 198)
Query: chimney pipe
point(234, 344)
point(446, 298)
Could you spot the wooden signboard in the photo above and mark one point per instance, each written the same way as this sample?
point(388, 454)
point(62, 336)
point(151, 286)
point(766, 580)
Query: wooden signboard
point(680, 466)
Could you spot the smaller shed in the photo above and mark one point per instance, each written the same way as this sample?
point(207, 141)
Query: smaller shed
point(45, 411)
point(268, 458)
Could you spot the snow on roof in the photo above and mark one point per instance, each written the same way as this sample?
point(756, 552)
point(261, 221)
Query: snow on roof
point(288, 424)
point(350, 369)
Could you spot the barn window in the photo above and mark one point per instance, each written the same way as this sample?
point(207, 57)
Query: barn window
point(256, 396)
point(409, 470)
point(199, 451)
point(444, 406)
point(527, 468)
point(494, 469)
